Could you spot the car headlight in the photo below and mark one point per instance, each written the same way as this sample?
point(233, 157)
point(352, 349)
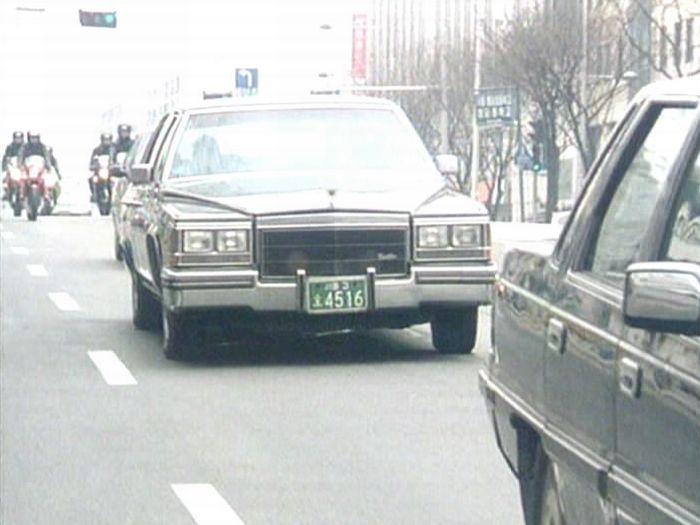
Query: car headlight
point(195, 241)
point(232, 241)
point(433, 236)
point(466, 235)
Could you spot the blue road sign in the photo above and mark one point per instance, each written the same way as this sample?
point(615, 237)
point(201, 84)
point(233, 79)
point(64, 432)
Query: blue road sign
point(247, 80)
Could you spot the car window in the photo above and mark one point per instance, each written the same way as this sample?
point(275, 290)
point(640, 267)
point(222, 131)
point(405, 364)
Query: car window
point(684, 232)
point(641, 183)
point(567, 240)
point(267, 150)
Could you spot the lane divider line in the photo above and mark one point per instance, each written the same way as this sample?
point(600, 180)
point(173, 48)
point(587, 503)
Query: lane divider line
point(37, 270)
point(19, 250)
point(205, 504)
point(114, 372)
point(64, 302)
point(7, 235)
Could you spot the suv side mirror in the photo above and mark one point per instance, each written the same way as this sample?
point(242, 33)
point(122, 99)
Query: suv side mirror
point(448, 164)
point(663, 296)
point(140, 174)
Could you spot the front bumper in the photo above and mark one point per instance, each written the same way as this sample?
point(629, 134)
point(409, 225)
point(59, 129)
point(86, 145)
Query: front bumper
point(425, 287)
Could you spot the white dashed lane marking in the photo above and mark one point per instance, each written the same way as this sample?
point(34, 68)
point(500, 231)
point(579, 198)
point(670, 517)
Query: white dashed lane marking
point(37, 270)
point(64, 302)
point(20, 250)
point(206, 505)
point(114, 372)
point(8, 236)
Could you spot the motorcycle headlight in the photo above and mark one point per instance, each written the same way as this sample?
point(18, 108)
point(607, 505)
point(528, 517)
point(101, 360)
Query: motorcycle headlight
point(466, 235)
point(232, 241)
point(433, 236)
point(195, 241)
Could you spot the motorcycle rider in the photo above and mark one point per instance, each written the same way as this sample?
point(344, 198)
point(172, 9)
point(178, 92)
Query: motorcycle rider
point(53, 161)
point(105, 148)
point(12, 149)
point(33, 146)
point(124, 140)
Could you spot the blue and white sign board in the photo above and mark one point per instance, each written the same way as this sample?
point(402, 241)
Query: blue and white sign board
point(247, 81)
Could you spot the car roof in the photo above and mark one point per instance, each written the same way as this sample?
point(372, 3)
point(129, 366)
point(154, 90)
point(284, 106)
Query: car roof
point(310, 101)
point(687, 86)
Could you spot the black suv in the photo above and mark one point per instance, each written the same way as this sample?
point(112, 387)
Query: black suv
point(593, 381)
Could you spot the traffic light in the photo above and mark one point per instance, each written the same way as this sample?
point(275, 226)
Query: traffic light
point(98, 18)
point(536, 133)
point(536, 156)
point(538, 138)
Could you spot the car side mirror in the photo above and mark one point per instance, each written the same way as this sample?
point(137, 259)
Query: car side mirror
point(140, 174)
point(448, 165)
point(663, 297)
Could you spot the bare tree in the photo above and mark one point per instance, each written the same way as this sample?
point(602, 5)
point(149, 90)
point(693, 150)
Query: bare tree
point(545, 59)
point(498, 146)
point(416, 64)
point(662, 22)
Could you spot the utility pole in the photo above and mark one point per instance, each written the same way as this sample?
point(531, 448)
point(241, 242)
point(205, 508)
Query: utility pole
point(521, 181)
point(474, 171)
point(578, 179)
point(440, 55)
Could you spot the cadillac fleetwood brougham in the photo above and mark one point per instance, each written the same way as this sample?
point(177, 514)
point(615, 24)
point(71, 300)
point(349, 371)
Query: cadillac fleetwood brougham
point(320, 214)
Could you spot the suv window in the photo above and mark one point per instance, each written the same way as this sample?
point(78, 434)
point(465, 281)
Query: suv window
point(684, 235)
point(641, 182)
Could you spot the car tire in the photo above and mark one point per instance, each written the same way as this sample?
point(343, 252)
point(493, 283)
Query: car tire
point(118, 251)
point(550, 512)
point(144, 305)
point(175, 335)
point(454, 331)
point(539, 494)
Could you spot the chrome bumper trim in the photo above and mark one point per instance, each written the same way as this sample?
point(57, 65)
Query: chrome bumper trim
point(449, 287)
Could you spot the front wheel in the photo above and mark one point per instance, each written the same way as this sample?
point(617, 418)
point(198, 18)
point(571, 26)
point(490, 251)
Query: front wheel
point(176, 343)
point(16, 204)
point(454, 331)
point(118, 250)
point(550, 508)
point(145, 306)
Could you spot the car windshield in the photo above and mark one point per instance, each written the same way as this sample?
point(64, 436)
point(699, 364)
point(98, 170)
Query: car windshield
point(299, 149)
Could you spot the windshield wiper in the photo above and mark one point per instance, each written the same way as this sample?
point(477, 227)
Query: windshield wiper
point(193, 197)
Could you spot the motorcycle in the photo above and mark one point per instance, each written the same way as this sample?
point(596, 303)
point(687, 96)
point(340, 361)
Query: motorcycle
point(33, 188)
point(13, 185)
point(102, 183)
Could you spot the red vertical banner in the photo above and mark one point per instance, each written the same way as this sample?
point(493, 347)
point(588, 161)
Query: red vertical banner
point(359, 46)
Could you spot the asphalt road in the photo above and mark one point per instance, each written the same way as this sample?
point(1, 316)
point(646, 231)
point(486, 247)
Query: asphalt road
point(97, 427)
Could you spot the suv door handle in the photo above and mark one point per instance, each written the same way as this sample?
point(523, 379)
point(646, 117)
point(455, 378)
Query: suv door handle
point(556, 336)
point(630, 377)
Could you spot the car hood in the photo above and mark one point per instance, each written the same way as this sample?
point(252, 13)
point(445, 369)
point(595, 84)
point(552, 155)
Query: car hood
point(428, 199)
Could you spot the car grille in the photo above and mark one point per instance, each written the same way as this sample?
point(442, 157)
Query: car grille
point(327, 252)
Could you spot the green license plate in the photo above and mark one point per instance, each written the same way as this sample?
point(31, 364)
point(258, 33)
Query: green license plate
point(336, 294)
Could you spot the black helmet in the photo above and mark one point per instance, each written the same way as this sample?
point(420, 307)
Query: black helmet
point(18, 136)
point(124, 128)
point(33, 136)
point(106, 138)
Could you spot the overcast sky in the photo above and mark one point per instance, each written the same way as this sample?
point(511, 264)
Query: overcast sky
point(58, 77)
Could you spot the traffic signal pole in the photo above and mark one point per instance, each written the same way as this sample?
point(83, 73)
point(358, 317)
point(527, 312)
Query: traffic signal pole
point(521, 182)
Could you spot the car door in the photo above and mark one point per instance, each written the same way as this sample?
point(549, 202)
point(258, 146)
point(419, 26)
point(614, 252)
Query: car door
point(586, 321)
point(656, 475)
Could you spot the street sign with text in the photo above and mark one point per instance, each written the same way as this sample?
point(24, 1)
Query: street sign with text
point(495, 107)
